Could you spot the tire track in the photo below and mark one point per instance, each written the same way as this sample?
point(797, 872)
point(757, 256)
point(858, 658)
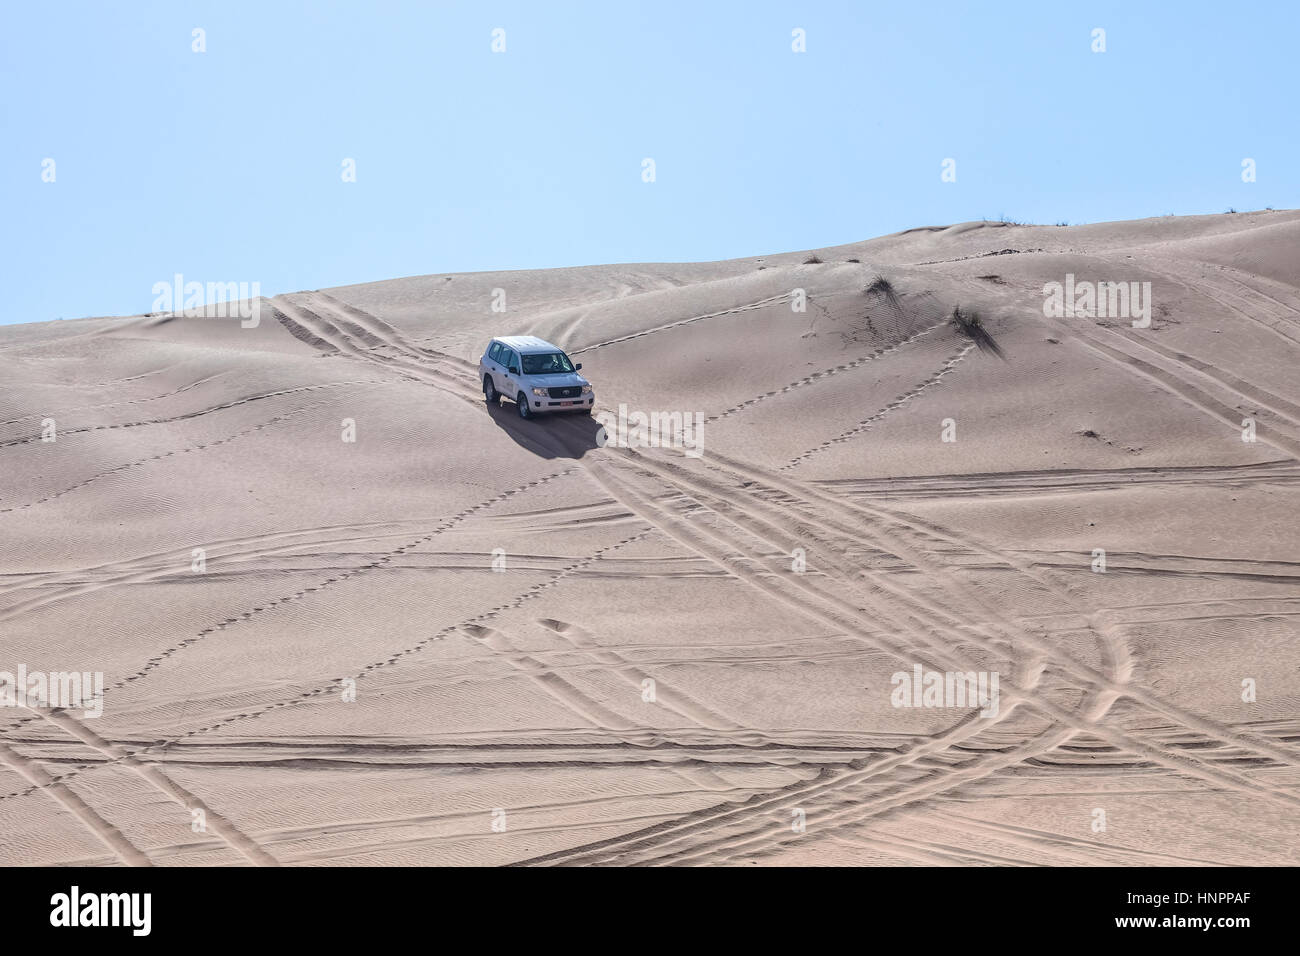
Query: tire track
point(1059, 481)
point(159, 457)
point(1165, 758)
point(1178, 271)
point(824, 781)
point(164, 561)
point(899, 527)
point(323, 333)
point(157, 661)
point(125, 401)
point(390, 336)
point(105, 832)
point(396, 657)
point(219, 824)
point(335, 684)
point(675, 700)
point(188, 415)
point(547, 679)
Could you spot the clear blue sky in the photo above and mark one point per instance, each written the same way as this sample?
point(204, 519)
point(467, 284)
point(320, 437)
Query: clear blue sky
point(226, 165)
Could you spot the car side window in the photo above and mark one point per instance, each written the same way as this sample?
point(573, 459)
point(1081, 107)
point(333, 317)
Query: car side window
point(494, 352)
point(508, 360)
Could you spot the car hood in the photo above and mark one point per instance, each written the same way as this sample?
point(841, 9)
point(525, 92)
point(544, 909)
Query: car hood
point(558, 380)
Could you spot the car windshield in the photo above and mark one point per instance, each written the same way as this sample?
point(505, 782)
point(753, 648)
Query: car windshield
point(546, 363)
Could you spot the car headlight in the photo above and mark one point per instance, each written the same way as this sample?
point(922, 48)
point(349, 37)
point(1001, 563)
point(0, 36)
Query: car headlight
point(586, 390)
point(540, 392)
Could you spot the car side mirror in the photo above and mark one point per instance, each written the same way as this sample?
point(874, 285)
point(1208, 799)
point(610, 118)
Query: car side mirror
point(513, 370)
point(578, 367)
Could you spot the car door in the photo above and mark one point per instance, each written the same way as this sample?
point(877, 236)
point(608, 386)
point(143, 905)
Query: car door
point(496, 365)
point(507, 383)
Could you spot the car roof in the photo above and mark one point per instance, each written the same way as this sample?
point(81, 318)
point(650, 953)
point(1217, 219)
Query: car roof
point(527, 344)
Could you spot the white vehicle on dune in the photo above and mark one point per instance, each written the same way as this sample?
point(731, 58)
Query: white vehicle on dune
point(534, 374)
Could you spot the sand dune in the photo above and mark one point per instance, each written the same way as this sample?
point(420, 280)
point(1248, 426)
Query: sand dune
point(564, 652)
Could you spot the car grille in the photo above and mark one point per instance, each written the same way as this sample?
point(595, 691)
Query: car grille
point(567, 391)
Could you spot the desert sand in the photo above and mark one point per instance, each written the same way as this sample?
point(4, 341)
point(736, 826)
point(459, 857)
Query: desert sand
point(466, 639)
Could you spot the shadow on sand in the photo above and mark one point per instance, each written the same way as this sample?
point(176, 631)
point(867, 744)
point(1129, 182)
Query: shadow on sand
point(557, 435)
point(972, 326)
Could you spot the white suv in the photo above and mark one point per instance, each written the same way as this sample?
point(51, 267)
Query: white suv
point(535, 375)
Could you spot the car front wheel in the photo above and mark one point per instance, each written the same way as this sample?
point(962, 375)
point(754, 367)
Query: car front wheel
point(525, 411)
